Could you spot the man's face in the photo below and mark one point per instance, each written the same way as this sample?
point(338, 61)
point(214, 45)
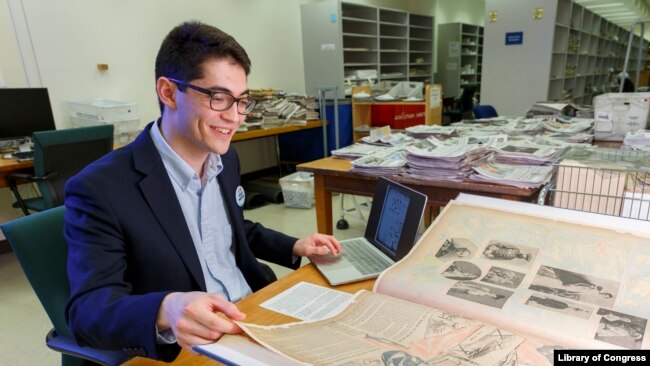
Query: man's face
point(199, 128)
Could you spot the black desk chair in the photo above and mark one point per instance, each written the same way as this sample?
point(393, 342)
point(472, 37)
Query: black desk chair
point(38, 242)
point(58, 155)
point(462, 105)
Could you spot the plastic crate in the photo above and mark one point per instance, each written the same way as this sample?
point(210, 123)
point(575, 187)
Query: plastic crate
point(103, 110)
point(298, 190)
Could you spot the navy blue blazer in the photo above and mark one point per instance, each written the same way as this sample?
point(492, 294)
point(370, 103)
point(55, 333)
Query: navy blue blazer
point(129, 246)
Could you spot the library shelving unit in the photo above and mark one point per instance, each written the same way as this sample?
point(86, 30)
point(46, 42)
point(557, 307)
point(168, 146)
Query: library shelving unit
point(459, 57)
point(363, 110)
point(346, 43)
point(569, 54)
point(587, 49)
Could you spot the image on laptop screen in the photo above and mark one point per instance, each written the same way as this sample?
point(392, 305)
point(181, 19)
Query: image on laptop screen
point(391, 220)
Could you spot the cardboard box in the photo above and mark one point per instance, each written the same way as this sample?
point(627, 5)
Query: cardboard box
point(615, 114)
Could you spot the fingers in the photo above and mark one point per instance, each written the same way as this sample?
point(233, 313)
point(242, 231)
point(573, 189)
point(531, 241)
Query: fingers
point(200, 318)
point(327, 241)
point(318, 244)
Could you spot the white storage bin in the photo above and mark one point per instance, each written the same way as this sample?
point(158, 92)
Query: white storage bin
point(103, 109)
point(298, 190)
point(615, 114)
point(120, 126)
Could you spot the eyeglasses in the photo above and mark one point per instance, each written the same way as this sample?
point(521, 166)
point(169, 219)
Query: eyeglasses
point(221, 101)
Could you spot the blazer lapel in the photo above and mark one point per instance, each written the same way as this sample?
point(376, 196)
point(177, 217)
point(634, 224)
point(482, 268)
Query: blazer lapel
point(160, 195)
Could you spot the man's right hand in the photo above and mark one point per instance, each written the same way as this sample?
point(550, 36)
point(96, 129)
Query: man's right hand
point(198, 317)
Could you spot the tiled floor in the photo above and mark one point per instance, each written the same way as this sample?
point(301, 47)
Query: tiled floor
point(23, 322)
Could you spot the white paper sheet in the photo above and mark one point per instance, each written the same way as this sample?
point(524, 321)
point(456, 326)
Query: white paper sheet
point(306, 301)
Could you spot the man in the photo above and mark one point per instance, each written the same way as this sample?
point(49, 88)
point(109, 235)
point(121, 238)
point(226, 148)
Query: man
point(158, 245)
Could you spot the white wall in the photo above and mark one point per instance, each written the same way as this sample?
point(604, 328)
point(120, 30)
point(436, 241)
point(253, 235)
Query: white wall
point(516, 76)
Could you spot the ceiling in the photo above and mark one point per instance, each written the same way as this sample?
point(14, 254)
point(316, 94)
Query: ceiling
point(621, 12)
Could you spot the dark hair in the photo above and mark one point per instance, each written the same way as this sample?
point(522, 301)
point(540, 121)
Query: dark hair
point(187, 46)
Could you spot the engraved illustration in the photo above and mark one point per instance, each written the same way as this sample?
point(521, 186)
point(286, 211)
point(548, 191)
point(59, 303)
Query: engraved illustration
point(462, 271)
point(516, 255)
point(456, 248)
point(503, 277)
point(575, 286)
point(560, 306)
point(620, 329)
point(479, 293)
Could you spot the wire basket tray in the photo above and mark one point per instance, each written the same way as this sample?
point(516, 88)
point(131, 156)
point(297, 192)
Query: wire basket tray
point(606, 181)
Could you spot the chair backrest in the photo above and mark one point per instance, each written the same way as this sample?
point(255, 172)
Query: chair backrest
point(467, 97)
point(66, 152)
point(38, 242)
point(484, 111)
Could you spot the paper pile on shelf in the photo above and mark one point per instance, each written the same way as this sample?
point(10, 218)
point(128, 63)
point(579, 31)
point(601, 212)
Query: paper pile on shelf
point(355, 151)
point(276, 108)
point(548, 109)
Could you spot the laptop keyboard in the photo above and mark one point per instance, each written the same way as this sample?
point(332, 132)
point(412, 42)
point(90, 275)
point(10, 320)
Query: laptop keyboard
point(364, 259)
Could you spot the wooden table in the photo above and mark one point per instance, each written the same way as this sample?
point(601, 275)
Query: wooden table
point(10, 166)
point(274, 131)
point(258, 315)
point(333, 175)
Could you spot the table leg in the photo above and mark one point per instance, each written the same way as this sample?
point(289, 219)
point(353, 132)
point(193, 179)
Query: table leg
point(323, 206)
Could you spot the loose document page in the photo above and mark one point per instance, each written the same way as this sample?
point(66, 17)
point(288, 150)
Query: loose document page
point(306, 301)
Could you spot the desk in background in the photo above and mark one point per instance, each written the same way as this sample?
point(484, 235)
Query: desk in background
point(258, 315)
point(333, 175)
point(10, 166)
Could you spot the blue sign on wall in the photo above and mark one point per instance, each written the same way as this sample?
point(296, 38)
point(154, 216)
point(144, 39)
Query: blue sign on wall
point(514, 38)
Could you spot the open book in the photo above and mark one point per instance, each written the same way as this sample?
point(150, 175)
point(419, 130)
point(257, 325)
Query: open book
point(489, 282)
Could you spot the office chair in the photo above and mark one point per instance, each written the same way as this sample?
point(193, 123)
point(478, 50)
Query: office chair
point(454, 111)
point(484, 111)
point(58, 155)
point(38, 242)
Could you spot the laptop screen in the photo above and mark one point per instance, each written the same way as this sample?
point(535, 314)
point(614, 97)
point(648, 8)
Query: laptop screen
point(391, 221)
point(394, 218)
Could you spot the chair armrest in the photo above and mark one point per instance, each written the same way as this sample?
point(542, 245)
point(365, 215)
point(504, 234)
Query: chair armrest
point(68, 346)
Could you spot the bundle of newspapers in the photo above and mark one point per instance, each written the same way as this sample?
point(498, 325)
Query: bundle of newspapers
point(386, 161)
point(424, 131)
point(525, 153)
point(637, 140)
point(521, 176)
point(429, 159)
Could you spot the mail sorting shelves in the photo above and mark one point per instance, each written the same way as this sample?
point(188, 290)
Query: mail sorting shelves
point(605, 181)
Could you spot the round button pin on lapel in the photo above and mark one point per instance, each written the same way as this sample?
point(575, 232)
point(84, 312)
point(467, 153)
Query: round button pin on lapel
point(240, 196)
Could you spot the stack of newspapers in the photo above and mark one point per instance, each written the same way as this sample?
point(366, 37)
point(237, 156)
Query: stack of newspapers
point(386, 161)
point(429, 159)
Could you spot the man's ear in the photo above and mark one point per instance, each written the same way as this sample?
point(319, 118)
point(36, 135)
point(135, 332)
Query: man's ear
point(166, 90)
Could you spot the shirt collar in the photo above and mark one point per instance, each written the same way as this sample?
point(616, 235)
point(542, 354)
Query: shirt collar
point(178, 169)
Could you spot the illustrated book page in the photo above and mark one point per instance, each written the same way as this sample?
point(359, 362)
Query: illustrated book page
point(378, 329)
point(570, 284)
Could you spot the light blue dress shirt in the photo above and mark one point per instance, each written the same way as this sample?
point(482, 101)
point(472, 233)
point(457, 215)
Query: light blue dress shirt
point(207, 219)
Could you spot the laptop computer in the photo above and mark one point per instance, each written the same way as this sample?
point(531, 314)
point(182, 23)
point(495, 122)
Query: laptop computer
point(390, 234)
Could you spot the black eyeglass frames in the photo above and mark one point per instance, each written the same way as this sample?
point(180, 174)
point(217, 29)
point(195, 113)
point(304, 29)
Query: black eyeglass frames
point(221, 101)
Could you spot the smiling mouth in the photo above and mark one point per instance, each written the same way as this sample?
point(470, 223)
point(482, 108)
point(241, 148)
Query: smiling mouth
point(225, 131)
